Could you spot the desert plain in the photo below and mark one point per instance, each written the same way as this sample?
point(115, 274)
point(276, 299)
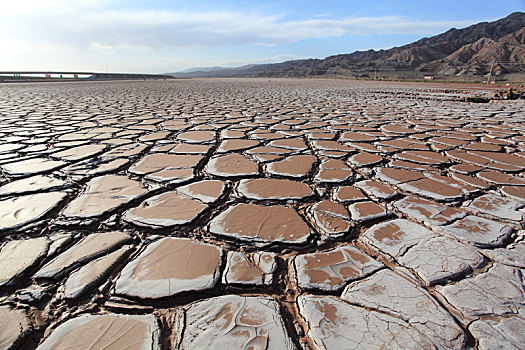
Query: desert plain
point(260, 214)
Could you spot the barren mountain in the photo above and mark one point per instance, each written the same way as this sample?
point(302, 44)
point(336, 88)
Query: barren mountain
point(467, 51)
point(508, 55)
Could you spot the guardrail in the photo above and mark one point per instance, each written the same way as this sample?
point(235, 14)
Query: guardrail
point(24, 75)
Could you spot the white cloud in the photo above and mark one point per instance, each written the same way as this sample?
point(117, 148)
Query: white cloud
point(90, 34)
point(89, 26)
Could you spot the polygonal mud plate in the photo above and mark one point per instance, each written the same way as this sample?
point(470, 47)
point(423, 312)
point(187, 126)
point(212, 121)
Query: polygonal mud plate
point(105, 331)
point(261, 225)
point(232, 322)
point(170, 266)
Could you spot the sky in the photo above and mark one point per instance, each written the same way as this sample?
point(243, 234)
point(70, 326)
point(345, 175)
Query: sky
point(155, 36)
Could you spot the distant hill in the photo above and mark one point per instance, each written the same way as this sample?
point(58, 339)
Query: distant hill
point(199, 69)
point(467, 51)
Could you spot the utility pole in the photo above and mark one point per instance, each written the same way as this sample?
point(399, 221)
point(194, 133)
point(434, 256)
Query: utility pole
point(490, 73)
point(375, 74)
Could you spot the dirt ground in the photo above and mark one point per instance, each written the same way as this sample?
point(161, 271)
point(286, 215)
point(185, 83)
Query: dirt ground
point(260, 214)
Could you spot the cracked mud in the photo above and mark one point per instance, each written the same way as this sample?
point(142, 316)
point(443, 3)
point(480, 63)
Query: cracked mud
point(260, 214)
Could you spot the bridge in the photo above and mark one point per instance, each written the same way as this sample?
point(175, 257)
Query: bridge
point(68, 75)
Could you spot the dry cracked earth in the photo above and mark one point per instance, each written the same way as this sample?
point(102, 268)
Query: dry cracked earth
point(259, 214)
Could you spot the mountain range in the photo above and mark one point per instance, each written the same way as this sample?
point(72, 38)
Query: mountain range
point(497, 46)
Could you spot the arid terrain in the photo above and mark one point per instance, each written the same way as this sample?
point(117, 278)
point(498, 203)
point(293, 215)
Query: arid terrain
point(260, 214)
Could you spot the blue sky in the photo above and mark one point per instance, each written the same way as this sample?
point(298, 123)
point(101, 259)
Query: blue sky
point(168, 36)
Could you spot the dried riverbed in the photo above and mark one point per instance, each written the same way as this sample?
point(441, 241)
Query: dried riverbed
point(259, 214)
